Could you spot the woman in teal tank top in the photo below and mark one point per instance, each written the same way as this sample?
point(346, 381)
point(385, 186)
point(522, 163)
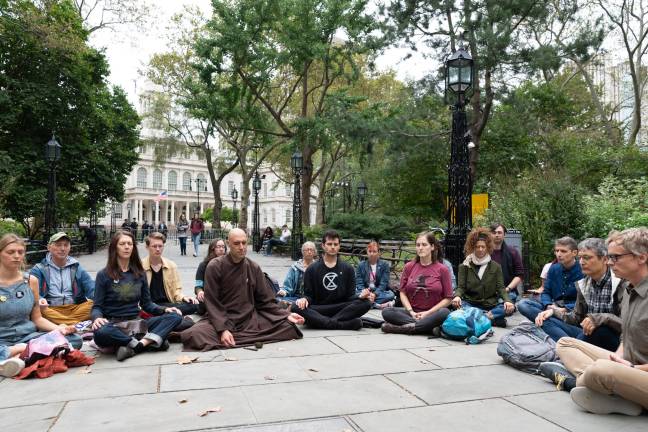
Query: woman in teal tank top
point(20, 316)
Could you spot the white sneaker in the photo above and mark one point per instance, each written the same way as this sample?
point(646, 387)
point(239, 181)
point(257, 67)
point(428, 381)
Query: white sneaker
point(11, 367)
point(599, 403)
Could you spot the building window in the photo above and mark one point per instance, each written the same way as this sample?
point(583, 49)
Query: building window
point(230, 188)
point(288, 217)
point(203, 182)
point(118, 212)
point(265, 190)
point(273, 188)
point(273, 216)
point(157, 179)
point(173, 180)
point(141, 177)
point(186, 181)
point(287, 190)
point(265, 216)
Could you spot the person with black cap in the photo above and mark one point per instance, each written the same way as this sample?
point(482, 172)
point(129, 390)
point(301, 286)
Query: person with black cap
point(66, 289)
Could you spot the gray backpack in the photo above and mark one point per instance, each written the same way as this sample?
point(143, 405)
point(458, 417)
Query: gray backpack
point(526, 346)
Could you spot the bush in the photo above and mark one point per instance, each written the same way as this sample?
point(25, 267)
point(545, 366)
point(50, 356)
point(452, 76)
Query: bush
point(544, 207)
point(618, 204)
point(9, 226)
point(371, 226)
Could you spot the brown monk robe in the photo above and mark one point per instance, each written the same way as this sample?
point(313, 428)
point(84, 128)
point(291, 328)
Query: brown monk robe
point(241, 309)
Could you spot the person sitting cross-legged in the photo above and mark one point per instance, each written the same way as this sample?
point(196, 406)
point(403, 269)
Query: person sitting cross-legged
point(425, 291)
point(559, 292)
point(241, 307)
point(216, 248)
point(120, 290)
point(597, 311)
point(66, 289)
point(164, 281)
point(605, 381)
point(293, 286)
point(330, 300)
point(481, 283)
point(373, 274)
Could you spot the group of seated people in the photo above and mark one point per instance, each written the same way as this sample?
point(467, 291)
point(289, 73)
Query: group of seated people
point(594, 303)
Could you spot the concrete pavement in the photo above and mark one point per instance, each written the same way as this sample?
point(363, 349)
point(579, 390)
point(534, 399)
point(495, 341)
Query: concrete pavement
point(329, 381)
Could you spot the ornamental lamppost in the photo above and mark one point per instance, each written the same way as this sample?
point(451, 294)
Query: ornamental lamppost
point(459, 68)
point(346, 193)
point(362, 193)
point(199, 186)
point(296, 240)
point(113, 218)
point(234, 196)
point(256, 225)
point(52, 156)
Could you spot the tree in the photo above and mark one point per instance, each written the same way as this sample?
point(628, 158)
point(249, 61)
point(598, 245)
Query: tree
point(287, 54)
point(53, 81)
point(108, 14)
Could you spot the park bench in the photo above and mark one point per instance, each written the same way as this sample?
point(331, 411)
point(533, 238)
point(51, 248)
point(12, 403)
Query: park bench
point(395, 252)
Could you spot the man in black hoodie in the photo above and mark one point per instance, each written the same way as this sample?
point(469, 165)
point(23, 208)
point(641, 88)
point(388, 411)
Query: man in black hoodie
point(330, 300)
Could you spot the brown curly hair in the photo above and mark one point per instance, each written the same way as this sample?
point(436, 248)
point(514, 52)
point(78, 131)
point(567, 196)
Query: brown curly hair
point(476, 235)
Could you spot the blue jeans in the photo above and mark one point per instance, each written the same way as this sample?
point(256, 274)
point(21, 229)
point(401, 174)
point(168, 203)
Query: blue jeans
point(183, 245)
point(603, 337)
point(195, 238)
point(159, 328)
point(272, 242)
point(554, 327)
point(383, 296)
point(496, 311)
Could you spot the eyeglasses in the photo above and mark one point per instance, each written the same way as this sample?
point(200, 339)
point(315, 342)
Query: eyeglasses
point(585, 258)
point(615, 257)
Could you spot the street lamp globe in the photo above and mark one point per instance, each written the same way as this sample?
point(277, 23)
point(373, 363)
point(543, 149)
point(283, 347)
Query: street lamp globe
point(459, 71)
point(234, 194)
point(362, 189)
point(297, 161)
point(52, 150)
point(256, 183)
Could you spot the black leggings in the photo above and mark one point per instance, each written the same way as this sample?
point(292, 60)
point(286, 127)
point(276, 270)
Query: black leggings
point(333, 316)
point(400, 316)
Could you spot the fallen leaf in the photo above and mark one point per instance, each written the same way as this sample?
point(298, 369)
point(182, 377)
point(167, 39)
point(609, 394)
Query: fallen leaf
point(210, 410)
point(185, 359)
point(431, 350)
point(313, 370)
point(269, 378)
point(181, 401)
point(231, 359)
point(85, 371)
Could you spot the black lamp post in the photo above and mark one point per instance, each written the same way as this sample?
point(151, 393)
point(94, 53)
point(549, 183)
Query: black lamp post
point(362, 193)
point(113, 218)
point(296, 240)
point(459, 68)
point(256, 225)
point(52, 156)
point(346, 193)
point(128, 210)
point(234, 196)
point(199, 183)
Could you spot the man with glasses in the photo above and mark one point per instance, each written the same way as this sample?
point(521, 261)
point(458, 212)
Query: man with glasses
point(164, 280)
point(616, 381)
point(559, 292)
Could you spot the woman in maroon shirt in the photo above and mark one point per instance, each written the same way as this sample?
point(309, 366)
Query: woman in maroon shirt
point(425, 291)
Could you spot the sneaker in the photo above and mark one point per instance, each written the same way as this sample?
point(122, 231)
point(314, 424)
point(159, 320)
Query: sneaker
point(11, 367)
point(599, 403)
point(556, 372)
point(164, 347)
point(124, 352)
point(386, 305)
point(398, 329)
point(436, 332)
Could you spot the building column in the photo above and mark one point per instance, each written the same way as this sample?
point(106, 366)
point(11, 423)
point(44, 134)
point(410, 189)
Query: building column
point(172, 221)
point(202, 208)
point(157, 213)
point(188, 214)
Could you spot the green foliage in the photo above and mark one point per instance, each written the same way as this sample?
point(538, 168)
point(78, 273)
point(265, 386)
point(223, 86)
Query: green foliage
point(371, 226)
point(314, 232)
point(52, 81)
point(9, 226)
point(544, 207)
point(617, 205)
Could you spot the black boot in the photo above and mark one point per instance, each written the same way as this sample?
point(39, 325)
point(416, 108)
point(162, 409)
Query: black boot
point(398, 329)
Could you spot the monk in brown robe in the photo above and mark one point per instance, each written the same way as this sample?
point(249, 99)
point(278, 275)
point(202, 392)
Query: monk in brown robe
point(241, 308)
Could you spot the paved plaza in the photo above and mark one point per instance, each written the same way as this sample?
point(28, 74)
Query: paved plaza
point(329, 381)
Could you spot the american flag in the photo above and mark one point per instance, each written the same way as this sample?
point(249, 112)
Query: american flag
point(162, 196)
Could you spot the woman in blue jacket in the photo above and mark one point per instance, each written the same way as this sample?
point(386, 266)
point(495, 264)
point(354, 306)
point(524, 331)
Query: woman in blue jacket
point(373, 274)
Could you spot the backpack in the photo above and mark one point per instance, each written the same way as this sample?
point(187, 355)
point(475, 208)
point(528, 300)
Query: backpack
point(271, 283)
point(526, 346)
point(469, 324)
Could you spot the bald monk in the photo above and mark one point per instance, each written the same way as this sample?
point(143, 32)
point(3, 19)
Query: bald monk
point(240, 306)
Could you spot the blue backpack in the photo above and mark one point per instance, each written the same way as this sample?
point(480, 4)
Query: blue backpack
point(469, 324)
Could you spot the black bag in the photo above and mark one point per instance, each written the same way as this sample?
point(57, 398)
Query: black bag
point(272, 283)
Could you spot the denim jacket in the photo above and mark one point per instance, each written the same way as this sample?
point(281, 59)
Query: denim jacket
point(82, 284)
point(382, 276)
point(294, 281)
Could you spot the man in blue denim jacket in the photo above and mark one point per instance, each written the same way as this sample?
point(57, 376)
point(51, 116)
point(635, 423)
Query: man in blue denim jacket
point(559, 291)
point(373, 275)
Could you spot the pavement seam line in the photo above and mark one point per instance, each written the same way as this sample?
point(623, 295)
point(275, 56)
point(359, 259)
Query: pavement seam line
point(327, 338)
point(504, 398)
point(56, 417)
point(159, 379)
point(405, 390)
